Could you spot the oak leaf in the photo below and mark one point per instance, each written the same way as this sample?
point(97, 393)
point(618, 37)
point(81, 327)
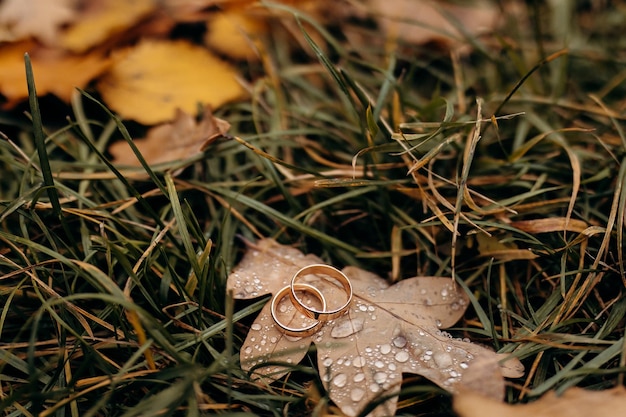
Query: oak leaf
point(575, 402)
point(387, 331)
point(149, 81)
point(180, 139)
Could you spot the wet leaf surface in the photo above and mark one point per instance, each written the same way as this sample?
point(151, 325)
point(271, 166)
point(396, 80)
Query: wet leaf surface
point(387, 331)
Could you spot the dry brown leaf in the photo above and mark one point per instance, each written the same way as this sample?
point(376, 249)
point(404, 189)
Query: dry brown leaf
point(575, 402)
point(387, 331)
point(422, 21)
point(55, 71)
point(41, 19)
point(101, 19)
point(150, 81)
point(178, 140)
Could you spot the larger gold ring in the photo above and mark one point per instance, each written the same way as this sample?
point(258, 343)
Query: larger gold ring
point(321, 269)
point(302, 331)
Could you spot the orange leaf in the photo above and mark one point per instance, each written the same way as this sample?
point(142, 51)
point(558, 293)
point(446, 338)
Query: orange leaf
point(233, 33)
point(178, 140)
point(55, 71)
point(150, 81)
point(101, 20)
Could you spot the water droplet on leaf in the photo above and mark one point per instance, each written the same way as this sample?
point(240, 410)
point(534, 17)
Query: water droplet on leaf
point(340, 380)
point(347, 327)
point(357, 394)
point(402, 356)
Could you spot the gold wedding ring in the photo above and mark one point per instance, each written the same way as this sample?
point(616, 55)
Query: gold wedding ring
point(302, 331)
point(321, 269)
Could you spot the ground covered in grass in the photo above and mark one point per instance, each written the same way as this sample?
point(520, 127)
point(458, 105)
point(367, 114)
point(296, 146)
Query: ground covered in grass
point(502, 164)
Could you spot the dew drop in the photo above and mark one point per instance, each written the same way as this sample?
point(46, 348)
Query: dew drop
point(340, 380)
point(380, 377)
point(374, 387)
point(363, 307)
point(402, 356)
point(273, 339)
point(370, 308)
point(248, 350)
point(438, 323)
point(358, 377)
point(385, 349)
point(464, 365)
point(444, 292)
point(345, 328)
point(442, 360)
point(379, 364)
point(357, 394)
point(392, 366)
point(358, 362)
point(282, 308)
point(374, 317)
point(399, 342)
point(328, 362)
point(256, 326)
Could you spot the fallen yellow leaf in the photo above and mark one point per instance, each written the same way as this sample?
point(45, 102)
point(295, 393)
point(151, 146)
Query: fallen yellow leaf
point(150, 81)
point(56, 72)
point(102, 19)
point(178, 140)
point(234, 32)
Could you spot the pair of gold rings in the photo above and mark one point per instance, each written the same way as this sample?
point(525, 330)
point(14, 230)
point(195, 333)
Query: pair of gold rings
point(313, 315)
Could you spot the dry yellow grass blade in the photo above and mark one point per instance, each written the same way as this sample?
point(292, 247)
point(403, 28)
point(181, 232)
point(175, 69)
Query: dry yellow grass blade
point(551, 224)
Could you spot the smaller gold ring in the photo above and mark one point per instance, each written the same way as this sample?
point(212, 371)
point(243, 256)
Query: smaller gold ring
point(303, 331)
point(322, 315)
